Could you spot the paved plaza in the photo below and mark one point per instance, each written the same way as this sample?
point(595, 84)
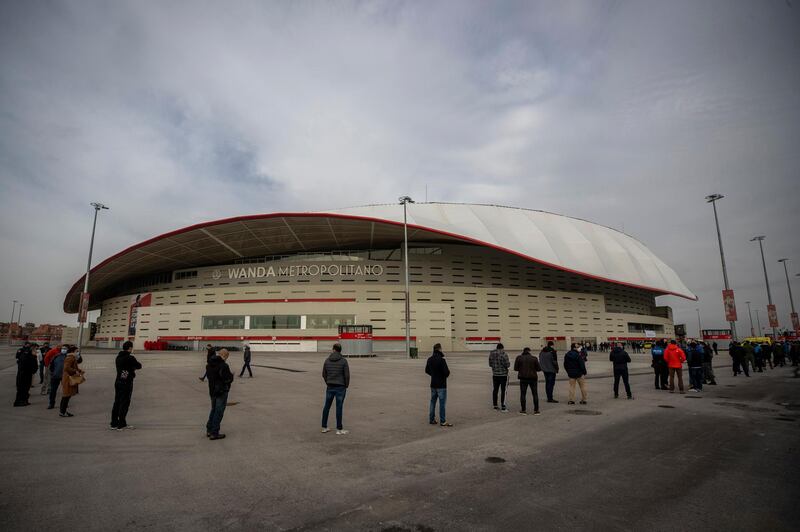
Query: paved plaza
point(725, 459)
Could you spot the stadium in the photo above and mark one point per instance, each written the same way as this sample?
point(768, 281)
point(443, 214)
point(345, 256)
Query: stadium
point(479, 274)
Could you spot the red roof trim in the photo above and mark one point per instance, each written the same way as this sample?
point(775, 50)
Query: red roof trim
point(245, 218)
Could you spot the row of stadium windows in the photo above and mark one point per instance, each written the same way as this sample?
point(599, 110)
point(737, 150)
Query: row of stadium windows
point(277, 321)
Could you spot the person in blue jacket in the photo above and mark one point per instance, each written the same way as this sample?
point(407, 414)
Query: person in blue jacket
point(659, 366)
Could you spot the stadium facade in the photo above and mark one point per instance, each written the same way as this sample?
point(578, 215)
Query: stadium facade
point(479, 274)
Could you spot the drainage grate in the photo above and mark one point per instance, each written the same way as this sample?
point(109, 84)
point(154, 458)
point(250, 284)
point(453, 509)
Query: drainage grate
point(282, 369)
point(665, 406)
point(584, 412)
point(495, 460)
point(693, 397)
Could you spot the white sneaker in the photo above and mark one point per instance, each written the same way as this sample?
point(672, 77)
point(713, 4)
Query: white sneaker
point(325, 429)
point(340, 432)
point(128, 427)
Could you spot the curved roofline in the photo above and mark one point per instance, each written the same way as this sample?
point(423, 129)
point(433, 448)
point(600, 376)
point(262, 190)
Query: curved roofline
point(464, 238)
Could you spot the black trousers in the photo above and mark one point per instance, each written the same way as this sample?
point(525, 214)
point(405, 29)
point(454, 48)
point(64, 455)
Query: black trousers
point(24, 381)
point(499, 383)
point(122, 401)
point(246, 367)
point(64, 404)
point(661, 374)
point(523, 391)
point(621, 372)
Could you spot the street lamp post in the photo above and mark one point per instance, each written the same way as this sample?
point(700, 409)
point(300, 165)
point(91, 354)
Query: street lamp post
point(758, 322)
point(760, 240)
point(97, 207)
point(405, 200)
point(699, 326)
point(13, 310)
point(788, 284)
point(19, 316)
point(749, 313)
point(712, 199)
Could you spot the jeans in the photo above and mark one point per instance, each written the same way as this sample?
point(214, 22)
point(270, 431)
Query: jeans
point(672, 373)
point(696, 378)
point(549, 384)
point(523, 391)
point(218, 403)
point(621, 372)
point(581, 382)
point(246, 367)
point(499, 382)
point(122, 401)
point(441, 395)
point(55, 382)
point(338, 393)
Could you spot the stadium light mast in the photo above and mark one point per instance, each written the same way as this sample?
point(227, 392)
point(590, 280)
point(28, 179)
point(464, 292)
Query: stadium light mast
point(699, 326)
point(13, 311)
point(789, 286)
point(760, 240)
point(82, 312)
point(712, 199)
point(758, 322)
point(19, 316)
point(405, 200)
point(749, 313)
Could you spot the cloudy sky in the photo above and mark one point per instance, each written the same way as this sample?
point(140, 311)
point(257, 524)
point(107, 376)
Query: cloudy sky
point(622, 113)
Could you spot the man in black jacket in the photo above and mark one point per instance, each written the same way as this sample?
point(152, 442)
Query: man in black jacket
point(526, 365)
point(620, 358)
point(123, 387)
point(436, 367)
point(219, 384)
point(336, 374)
point(246, 366)
point(27, 365)
point(210, 353)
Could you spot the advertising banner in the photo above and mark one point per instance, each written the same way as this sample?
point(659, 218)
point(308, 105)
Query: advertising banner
point(795, 323)
point(141, 300)
point(84, 308)
point(730, 305)
point(772, 312)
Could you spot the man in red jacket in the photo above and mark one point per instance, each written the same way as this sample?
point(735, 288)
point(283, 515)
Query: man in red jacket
point(674, 357)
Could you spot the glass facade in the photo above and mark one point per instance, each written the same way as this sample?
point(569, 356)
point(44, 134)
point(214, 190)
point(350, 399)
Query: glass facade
point(275, 321)
point(329, 321)
point(223, 322)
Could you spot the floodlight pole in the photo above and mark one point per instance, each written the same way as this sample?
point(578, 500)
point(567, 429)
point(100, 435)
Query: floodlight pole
point(788, 284)
point(405, 200)
point(758, 322)
point(749, 313)
point(19, 316)
point(712, 199)
point(13, 311)
point(97, 208)
point(760, 240)
point(699, 326)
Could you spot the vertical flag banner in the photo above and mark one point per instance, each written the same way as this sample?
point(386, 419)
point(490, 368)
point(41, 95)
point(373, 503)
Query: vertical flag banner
point(772, 312)
point(730, 305)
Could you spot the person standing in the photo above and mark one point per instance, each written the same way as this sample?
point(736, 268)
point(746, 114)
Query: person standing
point(56, 368)
point(436, 367)
point(694, 360)
point(576, 371)
point(548, 360)
point(619, 359)
point(210, 353)
point(708, 367)
point(659, 366)
point(70, 380)
point(715, 347)
point(219, 384)
point(42, 351)
point(246, 362)
point(336, 374)
point(123, 386)
point(48, 358)
point(526, 365)
point(498, 361)
point(674, 357)
point(26, 369)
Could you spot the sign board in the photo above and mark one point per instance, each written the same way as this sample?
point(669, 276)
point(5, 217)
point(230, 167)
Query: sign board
point(84, 308)
point(649, 334)
point(795, 323)
point(140, 300)
point(716, 334)
point(772, 312)
point(680, 329)
point(730, 305)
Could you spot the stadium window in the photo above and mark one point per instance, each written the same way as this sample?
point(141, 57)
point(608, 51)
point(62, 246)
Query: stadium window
point(223, 322)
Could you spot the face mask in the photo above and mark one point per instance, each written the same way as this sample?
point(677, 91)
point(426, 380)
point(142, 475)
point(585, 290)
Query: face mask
point(63, 351)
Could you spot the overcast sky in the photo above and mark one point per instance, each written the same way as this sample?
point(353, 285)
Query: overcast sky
point(622, 113)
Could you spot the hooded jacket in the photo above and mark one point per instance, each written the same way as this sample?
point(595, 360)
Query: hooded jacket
point(336, 371)
point(674, 356)
point(436, 367)
point(548, 359)
point(220, 377)
point(574, 365)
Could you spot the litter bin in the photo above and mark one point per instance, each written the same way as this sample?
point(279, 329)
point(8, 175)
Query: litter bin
point(413, 352)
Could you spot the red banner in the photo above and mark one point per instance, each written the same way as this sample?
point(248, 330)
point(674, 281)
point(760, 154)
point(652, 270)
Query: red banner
point(772, 312)
point(730, 305)
point(84, 309)
point(795, 323)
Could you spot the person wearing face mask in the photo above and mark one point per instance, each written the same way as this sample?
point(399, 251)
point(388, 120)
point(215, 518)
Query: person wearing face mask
point(55, 363)
point(68, 387)
point(123, 386)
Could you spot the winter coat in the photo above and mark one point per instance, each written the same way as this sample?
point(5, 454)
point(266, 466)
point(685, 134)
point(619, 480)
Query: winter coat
point(526, 365)
point(498, 361)
point(619, 357)
point(336, 370)
point(70, 368)
point(219, 375)
point(548, 359)
point(436, 367)
point(51, 354)
point(574, 365)
point(694, 357)
point(126, 367)
point(57, 366)
point(247, 355)
point(674, 356)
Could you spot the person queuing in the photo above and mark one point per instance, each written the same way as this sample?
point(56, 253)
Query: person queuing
point(336, 374)
point(527, 366)
point(26, 369)
point(71, 378)
point(619, 359)
point(498, 361)
point(737, 353)
point(123, 387)
point(576, 371)
point(210, 353)
point(220, 379)
point(436, 367)
point(41, 352)
point(694, 360)
point(246, 357)
point(659, 366)
point(48, 359)
point(548, 359)
point(56, 368)
point(675, 357)
point(708, 367)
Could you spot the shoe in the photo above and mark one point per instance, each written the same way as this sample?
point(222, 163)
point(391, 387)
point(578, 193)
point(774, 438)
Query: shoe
point(616, 396)
point(630, 397)
point(201, 379)
point(128, 427)
point(50, 407)
point(552, 401)
point(433, 422)
point(537, 413)
point(496, 407)
point(713, 383)
point(112, 427)
point(66, 414)
point(217, 436)
point(524, 413)
point(325, 430)
point(583, 402)
point(208, 434)
point(445, 424)
point(504, 409)
point(570, 402)
point(341, 432)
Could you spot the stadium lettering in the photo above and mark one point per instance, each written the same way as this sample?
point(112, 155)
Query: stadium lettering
point(303, 270)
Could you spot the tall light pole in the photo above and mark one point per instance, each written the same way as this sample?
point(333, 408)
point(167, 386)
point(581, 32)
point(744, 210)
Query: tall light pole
point(405, 200)
point(19, 316)
point(758, 322)
point(789, 286)
point(13, 310)
point(749, 313)
point(84, 298)
point(699, 326)
point(760, 240)
point(712, 199)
